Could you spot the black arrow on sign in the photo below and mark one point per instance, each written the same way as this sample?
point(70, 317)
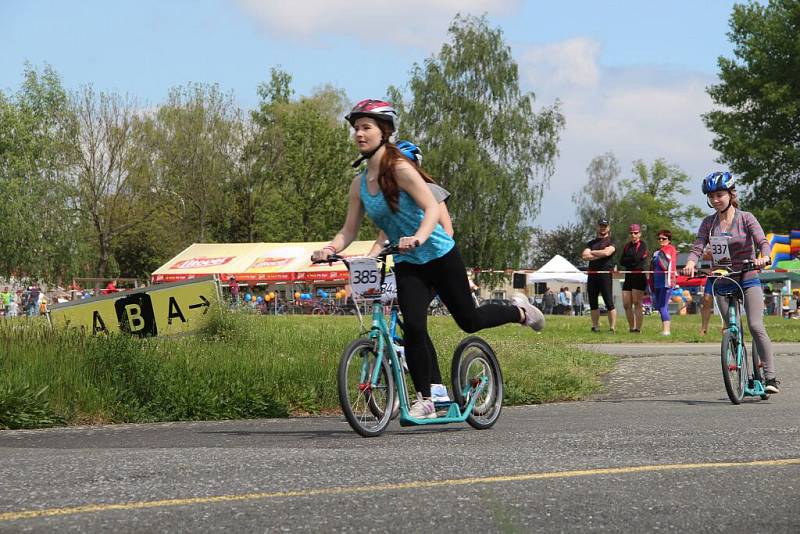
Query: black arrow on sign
point(205, 303)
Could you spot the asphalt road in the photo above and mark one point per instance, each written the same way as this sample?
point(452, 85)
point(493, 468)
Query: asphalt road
point(663, 450)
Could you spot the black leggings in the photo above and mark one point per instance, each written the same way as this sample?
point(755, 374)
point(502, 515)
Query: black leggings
point(433, 359)
point(447, 276)
point(599, 284)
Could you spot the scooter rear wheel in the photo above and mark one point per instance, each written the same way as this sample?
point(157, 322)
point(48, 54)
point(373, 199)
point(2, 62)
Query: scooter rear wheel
point(473, 360)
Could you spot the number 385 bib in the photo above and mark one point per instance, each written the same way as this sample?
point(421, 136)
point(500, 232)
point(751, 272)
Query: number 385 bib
point(364, 277)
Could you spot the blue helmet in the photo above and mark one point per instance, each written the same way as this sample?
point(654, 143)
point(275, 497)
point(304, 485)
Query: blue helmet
point(411, 151)
point(718, 181)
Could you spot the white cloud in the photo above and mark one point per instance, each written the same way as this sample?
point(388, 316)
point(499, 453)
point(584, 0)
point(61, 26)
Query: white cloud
point(571, 63)
point(420, 23)
point(635, 112)
point(651, 120)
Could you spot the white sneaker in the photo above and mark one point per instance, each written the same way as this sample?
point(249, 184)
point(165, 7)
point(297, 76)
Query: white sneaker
point(422, 409)
point(772, 386)
point(533, 316)
point(439, 393)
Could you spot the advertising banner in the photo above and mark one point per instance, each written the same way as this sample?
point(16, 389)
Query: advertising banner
point(256, 262)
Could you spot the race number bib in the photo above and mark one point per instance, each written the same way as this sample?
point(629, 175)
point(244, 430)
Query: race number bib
point(364, 277)
point(720, 251)
point(389, 289)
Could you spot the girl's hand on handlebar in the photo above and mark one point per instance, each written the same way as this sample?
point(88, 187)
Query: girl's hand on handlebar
point(321, 255)
point(407, 243)
point(688, 269)
point(762, 261)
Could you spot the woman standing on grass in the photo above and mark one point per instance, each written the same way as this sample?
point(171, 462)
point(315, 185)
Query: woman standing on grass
point(394, 194)
point(664, 277)
point(733, 233)
point(634, 260)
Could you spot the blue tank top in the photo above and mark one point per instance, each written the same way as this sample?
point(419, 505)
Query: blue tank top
point(404, 223)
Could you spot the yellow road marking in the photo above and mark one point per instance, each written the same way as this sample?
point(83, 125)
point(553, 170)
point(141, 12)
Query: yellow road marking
point(420, 484)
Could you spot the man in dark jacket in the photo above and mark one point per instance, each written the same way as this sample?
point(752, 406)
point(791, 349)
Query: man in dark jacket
point(599, 252)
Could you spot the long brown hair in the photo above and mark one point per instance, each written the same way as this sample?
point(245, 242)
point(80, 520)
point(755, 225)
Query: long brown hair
point(386, 178)
point(734, 197)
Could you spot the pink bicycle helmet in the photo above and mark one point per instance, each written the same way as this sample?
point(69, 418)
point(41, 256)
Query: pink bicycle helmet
point(377, 109)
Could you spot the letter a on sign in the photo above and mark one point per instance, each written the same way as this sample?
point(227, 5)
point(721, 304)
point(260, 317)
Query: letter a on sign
point(174, 311)
point(98, 325)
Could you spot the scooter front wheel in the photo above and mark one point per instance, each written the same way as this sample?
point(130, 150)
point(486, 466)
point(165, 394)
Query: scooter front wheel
point(367, 406)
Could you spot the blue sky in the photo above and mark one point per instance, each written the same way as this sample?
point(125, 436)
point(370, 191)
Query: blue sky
point(631, 74)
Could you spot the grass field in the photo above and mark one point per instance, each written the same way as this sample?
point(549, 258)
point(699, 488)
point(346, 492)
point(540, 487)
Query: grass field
point(248, 366)
point(685, 329)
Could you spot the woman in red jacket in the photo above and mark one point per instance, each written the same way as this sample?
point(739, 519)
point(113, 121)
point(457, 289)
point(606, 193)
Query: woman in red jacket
point(664, 277)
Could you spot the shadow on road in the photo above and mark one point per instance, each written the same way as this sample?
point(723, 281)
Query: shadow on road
point(309, 434)
point(687, 402)
point(314, 434)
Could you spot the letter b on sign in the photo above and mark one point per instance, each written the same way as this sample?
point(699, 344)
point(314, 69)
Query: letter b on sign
point(135, 315)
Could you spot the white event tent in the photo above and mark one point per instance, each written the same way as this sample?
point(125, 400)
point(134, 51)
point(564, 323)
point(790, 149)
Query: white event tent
point(559, 270)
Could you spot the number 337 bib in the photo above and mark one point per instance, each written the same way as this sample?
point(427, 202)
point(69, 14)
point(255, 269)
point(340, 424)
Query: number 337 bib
point(720, 249)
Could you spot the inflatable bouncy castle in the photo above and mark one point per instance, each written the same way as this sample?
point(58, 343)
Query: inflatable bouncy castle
point(784, 250)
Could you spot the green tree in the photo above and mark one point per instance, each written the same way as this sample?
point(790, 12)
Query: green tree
point(143, 248)
point(652, 198)
point(106, 190)
point(482, 140)
point(255, 187)
point(157, 234)
point(758, 118)
point(568, 240)
point(244, 192)
point(303, 162)
point(40, 235)
point(600, 195)
point(194, 135)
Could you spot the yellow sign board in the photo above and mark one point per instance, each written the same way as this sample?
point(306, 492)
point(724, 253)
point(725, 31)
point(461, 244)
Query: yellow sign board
point(158, 310)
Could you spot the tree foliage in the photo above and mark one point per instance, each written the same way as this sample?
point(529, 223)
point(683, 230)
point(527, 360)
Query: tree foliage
point(651, 197)
point(40, 236)
point(600, 194)
point(196, 147)
point(568, 240)
point(756, 126)
point(304, 152)
point(94, 185)
point(105, 187)
point(482, 140)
